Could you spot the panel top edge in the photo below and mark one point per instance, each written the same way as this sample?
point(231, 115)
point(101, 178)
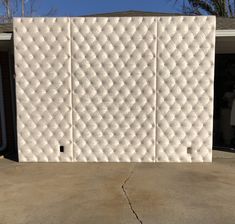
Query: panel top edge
point(75, 17)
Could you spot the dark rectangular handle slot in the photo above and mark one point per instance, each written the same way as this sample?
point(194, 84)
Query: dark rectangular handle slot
point(61, 148)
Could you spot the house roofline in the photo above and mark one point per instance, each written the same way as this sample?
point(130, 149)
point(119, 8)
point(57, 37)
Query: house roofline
point(219, 33)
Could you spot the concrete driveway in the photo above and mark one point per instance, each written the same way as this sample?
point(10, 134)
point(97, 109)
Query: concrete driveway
point(56, 193)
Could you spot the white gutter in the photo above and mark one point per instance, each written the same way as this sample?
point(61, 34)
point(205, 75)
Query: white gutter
point(219, 33)
point(5, 36)
point(225, 33)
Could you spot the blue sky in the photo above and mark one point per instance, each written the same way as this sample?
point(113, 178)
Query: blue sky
point(85, 7)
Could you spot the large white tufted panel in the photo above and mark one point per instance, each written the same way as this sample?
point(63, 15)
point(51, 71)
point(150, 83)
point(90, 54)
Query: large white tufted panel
point(115, 89)
point(43, 88)
point(185, 74)
point(114, 81)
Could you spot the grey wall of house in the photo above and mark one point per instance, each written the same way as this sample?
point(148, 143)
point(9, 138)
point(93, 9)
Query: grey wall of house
point(225, 45)
point(7, 66)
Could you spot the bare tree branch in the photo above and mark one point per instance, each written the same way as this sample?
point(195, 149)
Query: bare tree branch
point(225, 8)
point(52, 11)
point(22, 7)
point(11, 8)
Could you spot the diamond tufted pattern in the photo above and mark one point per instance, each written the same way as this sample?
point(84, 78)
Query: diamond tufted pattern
point(43, 88)
point(185, 88)
point(115, 89)
point(114, 81)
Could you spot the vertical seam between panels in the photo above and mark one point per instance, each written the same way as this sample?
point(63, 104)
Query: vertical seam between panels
point(156, 93)
point(155, 106)
point(71, 79)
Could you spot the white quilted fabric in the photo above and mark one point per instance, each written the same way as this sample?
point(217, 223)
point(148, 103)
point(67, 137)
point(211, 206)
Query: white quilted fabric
point(185, 88)
point(114, 81)
point(43, 88)
point(115, 89)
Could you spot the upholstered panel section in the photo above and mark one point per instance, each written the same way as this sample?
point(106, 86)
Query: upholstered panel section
point(114, 88)
point(136, 89)
point(43, 88)
point(185, 76)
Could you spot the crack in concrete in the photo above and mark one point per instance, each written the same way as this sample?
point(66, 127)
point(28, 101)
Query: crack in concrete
point(127, 197)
